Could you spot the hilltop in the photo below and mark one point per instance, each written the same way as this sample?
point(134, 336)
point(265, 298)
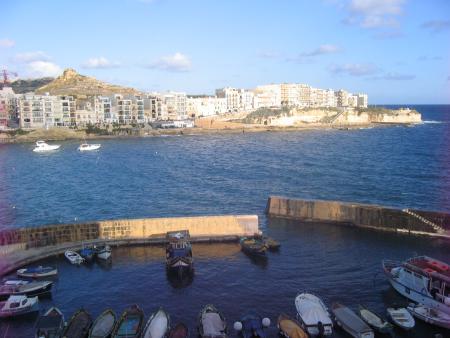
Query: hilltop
point(72, 83)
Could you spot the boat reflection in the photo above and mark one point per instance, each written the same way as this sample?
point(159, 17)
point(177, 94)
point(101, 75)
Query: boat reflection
point(258, 260)
point(179, 281)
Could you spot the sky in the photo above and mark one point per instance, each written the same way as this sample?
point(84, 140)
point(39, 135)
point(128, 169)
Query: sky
point(396, 51)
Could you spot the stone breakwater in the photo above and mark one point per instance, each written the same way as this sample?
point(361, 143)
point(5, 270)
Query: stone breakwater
point(362, 215)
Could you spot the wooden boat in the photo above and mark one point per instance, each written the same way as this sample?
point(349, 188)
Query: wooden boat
point(18, 305)
point(290, 328)
point(158, 325)
point(211, 323)
point(350, 322)
point(179, 252)
point(129, 324)
point(87, 253)
point(51, 324)
point(73, 257)
point(78, 325)
point(102, 251)
point(253, 246)
point(430, 315)
point(180, 330)
point(252, 325)
point(375, 321)
point(103, 325)
point(37, 272)
point(313, 315)
point(29, 289)
point(270, 243)
point(401, 317)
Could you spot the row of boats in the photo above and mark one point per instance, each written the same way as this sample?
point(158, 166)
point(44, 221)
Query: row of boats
point(88, 253)
point(42, 146)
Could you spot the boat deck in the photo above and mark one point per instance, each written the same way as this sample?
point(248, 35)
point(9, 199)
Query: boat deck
point(430, 265)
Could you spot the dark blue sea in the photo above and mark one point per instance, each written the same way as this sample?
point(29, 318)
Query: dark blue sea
point(400, 166)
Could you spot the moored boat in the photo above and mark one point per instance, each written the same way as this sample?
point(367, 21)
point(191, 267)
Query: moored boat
point(102, 251)
point(350, 322)
point(51, 324)
point(103, 325)
point(252, 326)
point(313, 315)
point(88, 147)
point(73, 257)
point(35, 288)
point(158, 325)
point(270, 243)
point(374, 321)
point(179, 252)
point(401, 317)
point(180, 330)
point(78, 325)
point(429, 315)
point(253, 246)
point(290, 328)
point(38, 272)
point(87, 253)
point(130, 323)
point(211, 323)
point(42, 146)
point(18, 305)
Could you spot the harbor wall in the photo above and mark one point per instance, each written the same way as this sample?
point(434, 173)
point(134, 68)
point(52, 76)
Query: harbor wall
point(362, 215)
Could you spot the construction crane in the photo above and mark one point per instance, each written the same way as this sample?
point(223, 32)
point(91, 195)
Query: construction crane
point(6, 74)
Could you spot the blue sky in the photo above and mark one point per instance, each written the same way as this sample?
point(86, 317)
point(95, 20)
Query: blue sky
point(397, 51)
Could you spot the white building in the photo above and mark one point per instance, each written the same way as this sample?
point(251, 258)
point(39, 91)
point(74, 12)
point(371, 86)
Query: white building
point(268, 96)
point(176, 105)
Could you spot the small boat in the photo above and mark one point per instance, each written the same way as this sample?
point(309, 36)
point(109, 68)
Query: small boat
point(18, 305)
point(375, 321)
point(313, 315)
point(401, 317)
point(157, 325)
point(88, 147)
point(51, 324)
point(252, 325)
point(87, 253)
point(180, 330)
point(102, 251)
point(42, 146)
point(211, 323)
point(429, 315)
point(78, 325)
point(350, 322)
point(103, 325)
point(38, 272)
point(253, 246)
point(270, 243)
point(73, 257)
point(179, 252)
point(290, 328)
point(129, 324)
point(29, 289)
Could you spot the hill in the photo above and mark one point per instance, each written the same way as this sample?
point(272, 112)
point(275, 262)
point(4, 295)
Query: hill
point(24, 86)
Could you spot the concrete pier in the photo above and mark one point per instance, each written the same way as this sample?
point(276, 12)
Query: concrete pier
point(23, 246)
point(377, 217)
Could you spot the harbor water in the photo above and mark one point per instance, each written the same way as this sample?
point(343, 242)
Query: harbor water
point(234, 174)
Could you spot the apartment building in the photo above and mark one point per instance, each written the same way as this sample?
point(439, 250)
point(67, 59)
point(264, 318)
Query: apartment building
point(176, 105)
point(267, 96)
point(37, 111)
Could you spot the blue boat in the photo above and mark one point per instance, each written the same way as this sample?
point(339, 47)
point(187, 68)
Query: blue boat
point(87, 253)
point(130, 323)
point(37, 272)
point(179, 252)
point(252, 326)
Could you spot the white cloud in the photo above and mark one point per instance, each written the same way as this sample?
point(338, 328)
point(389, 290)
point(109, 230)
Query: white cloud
point(398, 77)
point(436, 26)
point(354, 69)
point(173, 63)
point(43, 69)
point(6, 43)
point(100, 63)
point(30, 57)
point(374, 13)
point(322, 49)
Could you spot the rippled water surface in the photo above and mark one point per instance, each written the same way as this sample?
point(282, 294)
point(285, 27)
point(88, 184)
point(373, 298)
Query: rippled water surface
point(220, 174)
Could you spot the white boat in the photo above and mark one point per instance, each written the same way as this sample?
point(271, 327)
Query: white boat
point(422, 279)
point(29, 289)
point(401, 317)
point(429, 315)
point(103, 251)
point(157, 325)
point(374, 320)
point(18, 305)
point(42, 146)
point(313, 315)
point(89, 147)
point(73, 257)
point(350, 322)
point(38, 272)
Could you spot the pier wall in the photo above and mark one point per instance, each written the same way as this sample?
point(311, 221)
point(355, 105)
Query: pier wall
point(362, 215)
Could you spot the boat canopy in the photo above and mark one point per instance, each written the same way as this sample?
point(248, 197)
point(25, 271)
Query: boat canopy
point(430, 267)
point(212, 324)
point(310, 309)
point(347, 316)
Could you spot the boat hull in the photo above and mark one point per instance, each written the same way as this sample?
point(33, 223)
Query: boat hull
point(421, 313)
point(29, 273)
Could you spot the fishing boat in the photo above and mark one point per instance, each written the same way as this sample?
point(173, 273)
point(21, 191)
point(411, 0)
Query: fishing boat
point(73, 257)
point(103, 325)
point(429, 315)
point(51, 324)
point(252, 326)
point(350, 322)
point(88, 147)
point(158, 325)
point(180, 330)
point(78, 325)
point(87, 253)
point(18, 305)
point(401, 317)
point(270, 243)
point(102, 251)
point(179, 252)
point(130, 323)
point(313, 315)
point(375, 321)
point(253, 246)
point(211, 323)
point(29, 289)
point(42, 146)
point(38, 272)
point(290, 328)
point(422, 279)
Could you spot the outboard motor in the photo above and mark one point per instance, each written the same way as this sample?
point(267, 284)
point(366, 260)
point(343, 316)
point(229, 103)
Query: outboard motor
point(321, 329)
